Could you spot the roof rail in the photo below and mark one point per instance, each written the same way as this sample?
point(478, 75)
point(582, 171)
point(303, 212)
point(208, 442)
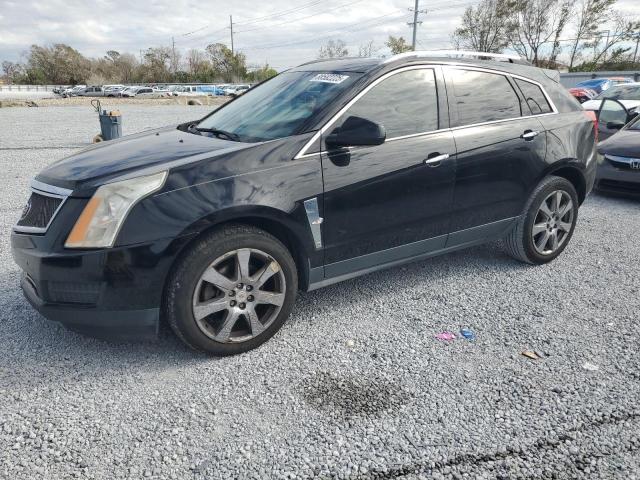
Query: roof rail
point(459, 53)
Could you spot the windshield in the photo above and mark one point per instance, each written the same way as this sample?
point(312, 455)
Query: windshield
point(279, 107)
point(622, 92)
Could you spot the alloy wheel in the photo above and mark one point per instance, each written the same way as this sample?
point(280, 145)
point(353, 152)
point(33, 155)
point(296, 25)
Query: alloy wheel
point(239, 295)
point(553, 222)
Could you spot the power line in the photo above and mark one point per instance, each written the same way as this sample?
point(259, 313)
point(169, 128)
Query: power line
point(347, 28)
point(301, 18)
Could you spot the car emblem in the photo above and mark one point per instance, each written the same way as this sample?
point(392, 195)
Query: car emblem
point(635, 164)
point(26, 209)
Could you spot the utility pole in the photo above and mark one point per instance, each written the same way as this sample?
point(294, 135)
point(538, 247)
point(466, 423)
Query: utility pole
point(173, 57)
point(231, 27)
point(416, 10)
point(635, 54)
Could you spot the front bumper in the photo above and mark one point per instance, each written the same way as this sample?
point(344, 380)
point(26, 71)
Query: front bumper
point(611, 179)
point(113, 294)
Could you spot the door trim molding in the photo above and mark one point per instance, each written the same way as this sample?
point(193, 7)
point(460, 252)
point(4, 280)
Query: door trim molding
point(411, 252)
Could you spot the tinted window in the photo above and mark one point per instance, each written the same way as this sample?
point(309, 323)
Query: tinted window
point(405, 103)
point(535, 98)
point(483, 97)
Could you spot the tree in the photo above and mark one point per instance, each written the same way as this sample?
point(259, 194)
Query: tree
point(12, 71)
point(156, 64)
point(58, 64)
point(620, 30)
point(589, 16)
point(367, 49)
point(487, 27)
point(397, 45)
point(225, 63)
point(536, 23)
point(333, 49)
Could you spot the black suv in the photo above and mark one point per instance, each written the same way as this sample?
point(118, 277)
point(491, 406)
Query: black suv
point(323, 173)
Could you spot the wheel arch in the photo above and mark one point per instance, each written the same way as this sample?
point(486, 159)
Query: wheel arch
point(273, 221)
point(571, 170)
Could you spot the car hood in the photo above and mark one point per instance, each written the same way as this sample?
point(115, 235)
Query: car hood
point(625, 143)
point(152, 150)
point(595, 104)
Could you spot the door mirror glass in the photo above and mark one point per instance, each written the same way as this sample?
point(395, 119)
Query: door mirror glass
point(357, 131)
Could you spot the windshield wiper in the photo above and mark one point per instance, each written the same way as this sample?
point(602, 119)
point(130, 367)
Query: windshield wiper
point(217, 132)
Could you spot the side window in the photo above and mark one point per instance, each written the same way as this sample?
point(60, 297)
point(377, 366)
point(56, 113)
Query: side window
point(405, 103)
point(480, 97)
point(535, 98)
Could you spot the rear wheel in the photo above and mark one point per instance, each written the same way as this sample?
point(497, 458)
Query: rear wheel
point(231, 291)
point(547, 223)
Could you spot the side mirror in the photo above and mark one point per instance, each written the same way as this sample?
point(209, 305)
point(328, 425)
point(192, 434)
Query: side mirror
point(614, 125)
point(355, 132)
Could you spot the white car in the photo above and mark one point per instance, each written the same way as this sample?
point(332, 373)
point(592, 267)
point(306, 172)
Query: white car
point(236, 89)
point(627, 94)
point(73, 91)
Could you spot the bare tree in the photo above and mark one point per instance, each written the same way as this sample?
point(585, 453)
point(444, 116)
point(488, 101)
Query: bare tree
point(539, 22)
point(333, 49)
point(589, 15)
point(367, 49)
point(12, 71)
point(196, 62)
point(620, 30)
point(487, 27)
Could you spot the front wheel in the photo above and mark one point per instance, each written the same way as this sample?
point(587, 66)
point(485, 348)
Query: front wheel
point(547, 223)
point(231, 291)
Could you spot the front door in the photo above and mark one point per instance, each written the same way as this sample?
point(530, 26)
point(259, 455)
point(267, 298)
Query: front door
point(501, 148)
point(612, 116)
point(392, 201)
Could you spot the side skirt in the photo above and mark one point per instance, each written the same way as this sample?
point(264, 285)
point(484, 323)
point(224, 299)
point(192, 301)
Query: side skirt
point(412, 252)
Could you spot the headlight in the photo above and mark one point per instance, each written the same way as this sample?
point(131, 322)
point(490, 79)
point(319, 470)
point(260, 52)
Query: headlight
point(102, 217)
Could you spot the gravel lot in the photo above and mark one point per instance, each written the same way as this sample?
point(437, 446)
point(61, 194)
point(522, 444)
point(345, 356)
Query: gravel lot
point(355, 385)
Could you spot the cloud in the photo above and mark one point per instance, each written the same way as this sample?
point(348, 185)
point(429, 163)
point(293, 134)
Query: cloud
point(281, 33)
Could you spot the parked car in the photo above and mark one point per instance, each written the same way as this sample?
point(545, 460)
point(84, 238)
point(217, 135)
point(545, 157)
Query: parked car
point(73, 91)
point(583, 94)
point(599, 85)
point(323, 173)
point(627, 96)
point(619, 159)
point(240, 89)
point(93, 91)
point(113, 91)
point(234, 89)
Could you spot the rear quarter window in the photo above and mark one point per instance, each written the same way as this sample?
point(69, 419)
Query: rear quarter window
point(537, 102)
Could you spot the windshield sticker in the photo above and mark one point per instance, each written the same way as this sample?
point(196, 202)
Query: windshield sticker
point(329, 78)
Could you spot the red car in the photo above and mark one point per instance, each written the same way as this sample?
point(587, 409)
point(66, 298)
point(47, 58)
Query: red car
point(583, 94)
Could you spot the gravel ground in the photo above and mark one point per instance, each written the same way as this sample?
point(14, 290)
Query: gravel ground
point(355, 385)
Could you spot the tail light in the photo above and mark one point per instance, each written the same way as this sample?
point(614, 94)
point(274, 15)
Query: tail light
point(591, 115)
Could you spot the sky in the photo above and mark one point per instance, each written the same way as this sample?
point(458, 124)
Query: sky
point(282, 33)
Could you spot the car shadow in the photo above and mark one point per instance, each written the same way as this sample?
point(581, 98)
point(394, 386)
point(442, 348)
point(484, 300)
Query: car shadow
point(32, 345)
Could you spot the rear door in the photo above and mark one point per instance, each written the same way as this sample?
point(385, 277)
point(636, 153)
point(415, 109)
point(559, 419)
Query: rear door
point(500, 152)
point(391, 201)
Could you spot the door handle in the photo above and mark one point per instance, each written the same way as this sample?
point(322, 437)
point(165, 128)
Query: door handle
point(529, 135)
point(434, 161)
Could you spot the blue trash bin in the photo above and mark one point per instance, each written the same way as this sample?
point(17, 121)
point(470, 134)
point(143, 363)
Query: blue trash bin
point(110, 123)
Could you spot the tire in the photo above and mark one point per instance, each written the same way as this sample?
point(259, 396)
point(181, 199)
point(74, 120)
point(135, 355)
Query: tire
point(523, 245)
point(242, 318)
